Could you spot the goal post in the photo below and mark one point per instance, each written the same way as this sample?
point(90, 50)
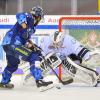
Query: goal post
point(85, 29)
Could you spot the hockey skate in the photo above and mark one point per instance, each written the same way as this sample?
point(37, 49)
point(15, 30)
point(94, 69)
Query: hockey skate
point(43, 85)
point(6, 86)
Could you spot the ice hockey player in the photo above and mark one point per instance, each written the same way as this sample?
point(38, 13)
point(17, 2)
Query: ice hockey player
point(66, 45)
point(16, 46)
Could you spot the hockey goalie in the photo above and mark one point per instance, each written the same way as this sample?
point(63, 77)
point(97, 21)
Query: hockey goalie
point(63, 49)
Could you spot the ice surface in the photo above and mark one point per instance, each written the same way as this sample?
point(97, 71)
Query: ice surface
point(30, 92)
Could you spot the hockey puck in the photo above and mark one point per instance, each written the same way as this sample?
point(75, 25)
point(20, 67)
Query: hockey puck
point(58, 87)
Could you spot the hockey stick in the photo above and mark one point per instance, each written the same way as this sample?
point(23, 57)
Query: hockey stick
point(63, 82)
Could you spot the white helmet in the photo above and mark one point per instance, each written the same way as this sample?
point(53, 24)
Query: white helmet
point(58, 37)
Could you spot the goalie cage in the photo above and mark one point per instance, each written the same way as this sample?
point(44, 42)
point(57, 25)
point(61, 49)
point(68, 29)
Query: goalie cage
point(76, 25)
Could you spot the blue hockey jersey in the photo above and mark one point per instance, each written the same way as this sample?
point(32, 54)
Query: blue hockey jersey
point(18, 35)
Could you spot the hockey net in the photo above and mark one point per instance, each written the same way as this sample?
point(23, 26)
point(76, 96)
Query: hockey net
point(85, 29)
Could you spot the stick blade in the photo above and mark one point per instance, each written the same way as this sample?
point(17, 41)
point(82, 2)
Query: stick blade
point(67, 81)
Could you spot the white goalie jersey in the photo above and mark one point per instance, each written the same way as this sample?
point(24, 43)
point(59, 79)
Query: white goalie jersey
point(67, 46)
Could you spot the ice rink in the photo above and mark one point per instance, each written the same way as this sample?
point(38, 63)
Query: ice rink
point(28, 92)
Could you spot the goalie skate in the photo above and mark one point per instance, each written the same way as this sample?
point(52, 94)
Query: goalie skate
point(79, 72)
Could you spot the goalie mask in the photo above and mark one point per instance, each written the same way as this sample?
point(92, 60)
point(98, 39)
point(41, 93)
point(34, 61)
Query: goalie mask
point(58, 38)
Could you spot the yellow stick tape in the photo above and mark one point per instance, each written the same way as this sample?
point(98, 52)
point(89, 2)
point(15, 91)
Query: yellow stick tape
point(98, 6)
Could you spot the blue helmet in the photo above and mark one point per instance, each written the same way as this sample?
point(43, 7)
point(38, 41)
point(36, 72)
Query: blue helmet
point(37, 11)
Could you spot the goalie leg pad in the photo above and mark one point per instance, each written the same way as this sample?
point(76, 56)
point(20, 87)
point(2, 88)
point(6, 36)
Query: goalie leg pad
point(81, 73)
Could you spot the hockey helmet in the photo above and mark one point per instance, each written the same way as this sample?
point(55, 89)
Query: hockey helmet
point(58, 37)
point(37, 11)
point(21, 18)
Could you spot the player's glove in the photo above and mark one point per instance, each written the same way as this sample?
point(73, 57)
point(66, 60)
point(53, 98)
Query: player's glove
point(33, 46)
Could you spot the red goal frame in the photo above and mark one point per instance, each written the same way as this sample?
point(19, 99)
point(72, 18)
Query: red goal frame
point(85, 17)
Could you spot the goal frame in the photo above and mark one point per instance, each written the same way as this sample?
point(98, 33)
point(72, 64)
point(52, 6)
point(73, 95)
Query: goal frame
point(77, 17)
